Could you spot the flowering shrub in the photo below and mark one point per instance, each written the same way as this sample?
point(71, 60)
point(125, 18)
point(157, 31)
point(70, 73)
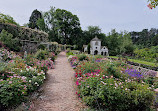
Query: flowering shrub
point(12, 90)
point(112, 86)
point(45, 65)
point(19, 77)
point(6, 55)
point(42, 54)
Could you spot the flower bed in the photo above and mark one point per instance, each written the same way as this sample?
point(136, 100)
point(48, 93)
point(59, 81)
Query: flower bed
point(19, 77)
point(112, 85)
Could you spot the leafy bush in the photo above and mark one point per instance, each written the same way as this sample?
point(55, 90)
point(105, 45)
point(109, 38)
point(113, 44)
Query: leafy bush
point(42, 54)
point(147, 54)
point(115, 95)
point(19, 77)
point(82, 57)
point(9, 41)
point(69, 53)
point(42, 47)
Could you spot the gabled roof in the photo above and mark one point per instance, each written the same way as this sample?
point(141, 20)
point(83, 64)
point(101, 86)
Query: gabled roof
point(103, 47)
point(95, 39)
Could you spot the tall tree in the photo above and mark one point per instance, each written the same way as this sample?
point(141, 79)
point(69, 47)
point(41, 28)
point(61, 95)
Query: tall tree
point(67, 25)
point(91, 33)
point(34, 18)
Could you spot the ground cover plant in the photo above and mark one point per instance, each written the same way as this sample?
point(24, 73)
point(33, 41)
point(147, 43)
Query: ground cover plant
point(21, 76)
point(109, 85)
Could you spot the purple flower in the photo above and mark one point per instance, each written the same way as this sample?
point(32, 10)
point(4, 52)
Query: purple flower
point(134, 73)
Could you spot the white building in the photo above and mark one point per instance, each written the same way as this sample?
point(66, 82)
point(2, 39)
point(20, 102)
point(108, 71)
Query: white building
point(96, 48)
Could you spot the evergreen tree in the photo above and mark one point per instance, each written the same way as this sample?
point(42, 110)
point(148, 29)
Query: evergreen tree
point(34, 18)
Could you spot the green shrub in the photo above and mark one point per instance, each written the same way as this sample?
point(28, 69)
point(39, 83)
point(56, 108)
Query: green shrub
point(82, 57)
point(9, 41)
point(41, 54)
point(42, 47)
point(69, 53)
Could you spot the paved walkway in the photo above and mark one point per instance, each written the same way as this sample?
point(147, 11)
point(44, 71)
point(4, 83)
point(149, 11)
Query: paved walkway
point(58, 90)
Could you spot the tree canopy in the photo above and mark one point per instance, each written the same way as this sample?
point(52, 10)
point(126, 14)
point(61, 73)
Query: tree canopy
point(34, 18)
point(7, 19)
point(61, 25)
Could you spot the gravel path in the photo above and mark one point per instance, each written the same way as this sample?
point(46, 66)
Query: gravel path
point(58, 90)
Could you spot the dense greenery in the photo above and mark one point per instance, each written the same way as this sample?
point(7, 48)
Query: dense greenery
point(10, 42)
point(145, 38)
point(34, 18)
point(7, 19)
point(147, 54)
point(61, 25)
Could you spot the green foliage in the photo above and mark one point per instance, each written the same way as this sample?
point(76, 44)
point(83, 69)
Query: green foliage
point(147, 54)
point(7, 19)
point(42, 47)
point(9, 41)
point(34, 18)
point(82, 57)
point(69, 53)
point(42, 54)
point(119, 43)
point(62, 26)
point(145, 38)
point(107, 94)
point(67, 24)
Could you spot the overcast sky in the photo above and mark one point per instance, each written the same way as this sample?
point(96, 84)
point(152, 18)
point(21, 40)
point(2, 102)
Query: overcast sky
point(130, 15)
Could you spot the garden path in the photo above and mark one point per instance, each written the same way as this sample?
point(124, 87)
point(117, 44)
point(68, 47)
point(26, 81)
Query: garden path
point(59, 89)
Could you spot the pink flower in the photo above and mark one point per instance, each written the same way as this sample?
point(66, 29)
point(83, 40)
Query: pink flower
point(10, 82)
point(150, 6)
point(77, 83)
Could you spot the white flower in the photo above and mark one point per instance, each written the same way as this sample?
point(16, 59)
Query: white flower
point(29, 80)
point(27, 69)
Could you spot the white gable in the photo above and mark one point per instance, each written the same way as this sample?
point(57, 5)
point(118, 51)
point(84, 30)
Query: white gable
point(104, 48)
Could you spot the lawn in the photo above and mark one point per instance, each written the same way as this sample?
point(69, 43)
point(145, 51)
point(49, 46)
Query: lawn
point(139, 61)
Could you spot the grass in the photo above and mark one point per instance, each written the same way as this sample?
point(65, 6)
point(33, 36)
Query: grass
point(139, 61)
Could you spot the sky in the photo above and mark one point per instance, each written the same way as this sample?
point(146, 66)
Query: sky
point(129, 15)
